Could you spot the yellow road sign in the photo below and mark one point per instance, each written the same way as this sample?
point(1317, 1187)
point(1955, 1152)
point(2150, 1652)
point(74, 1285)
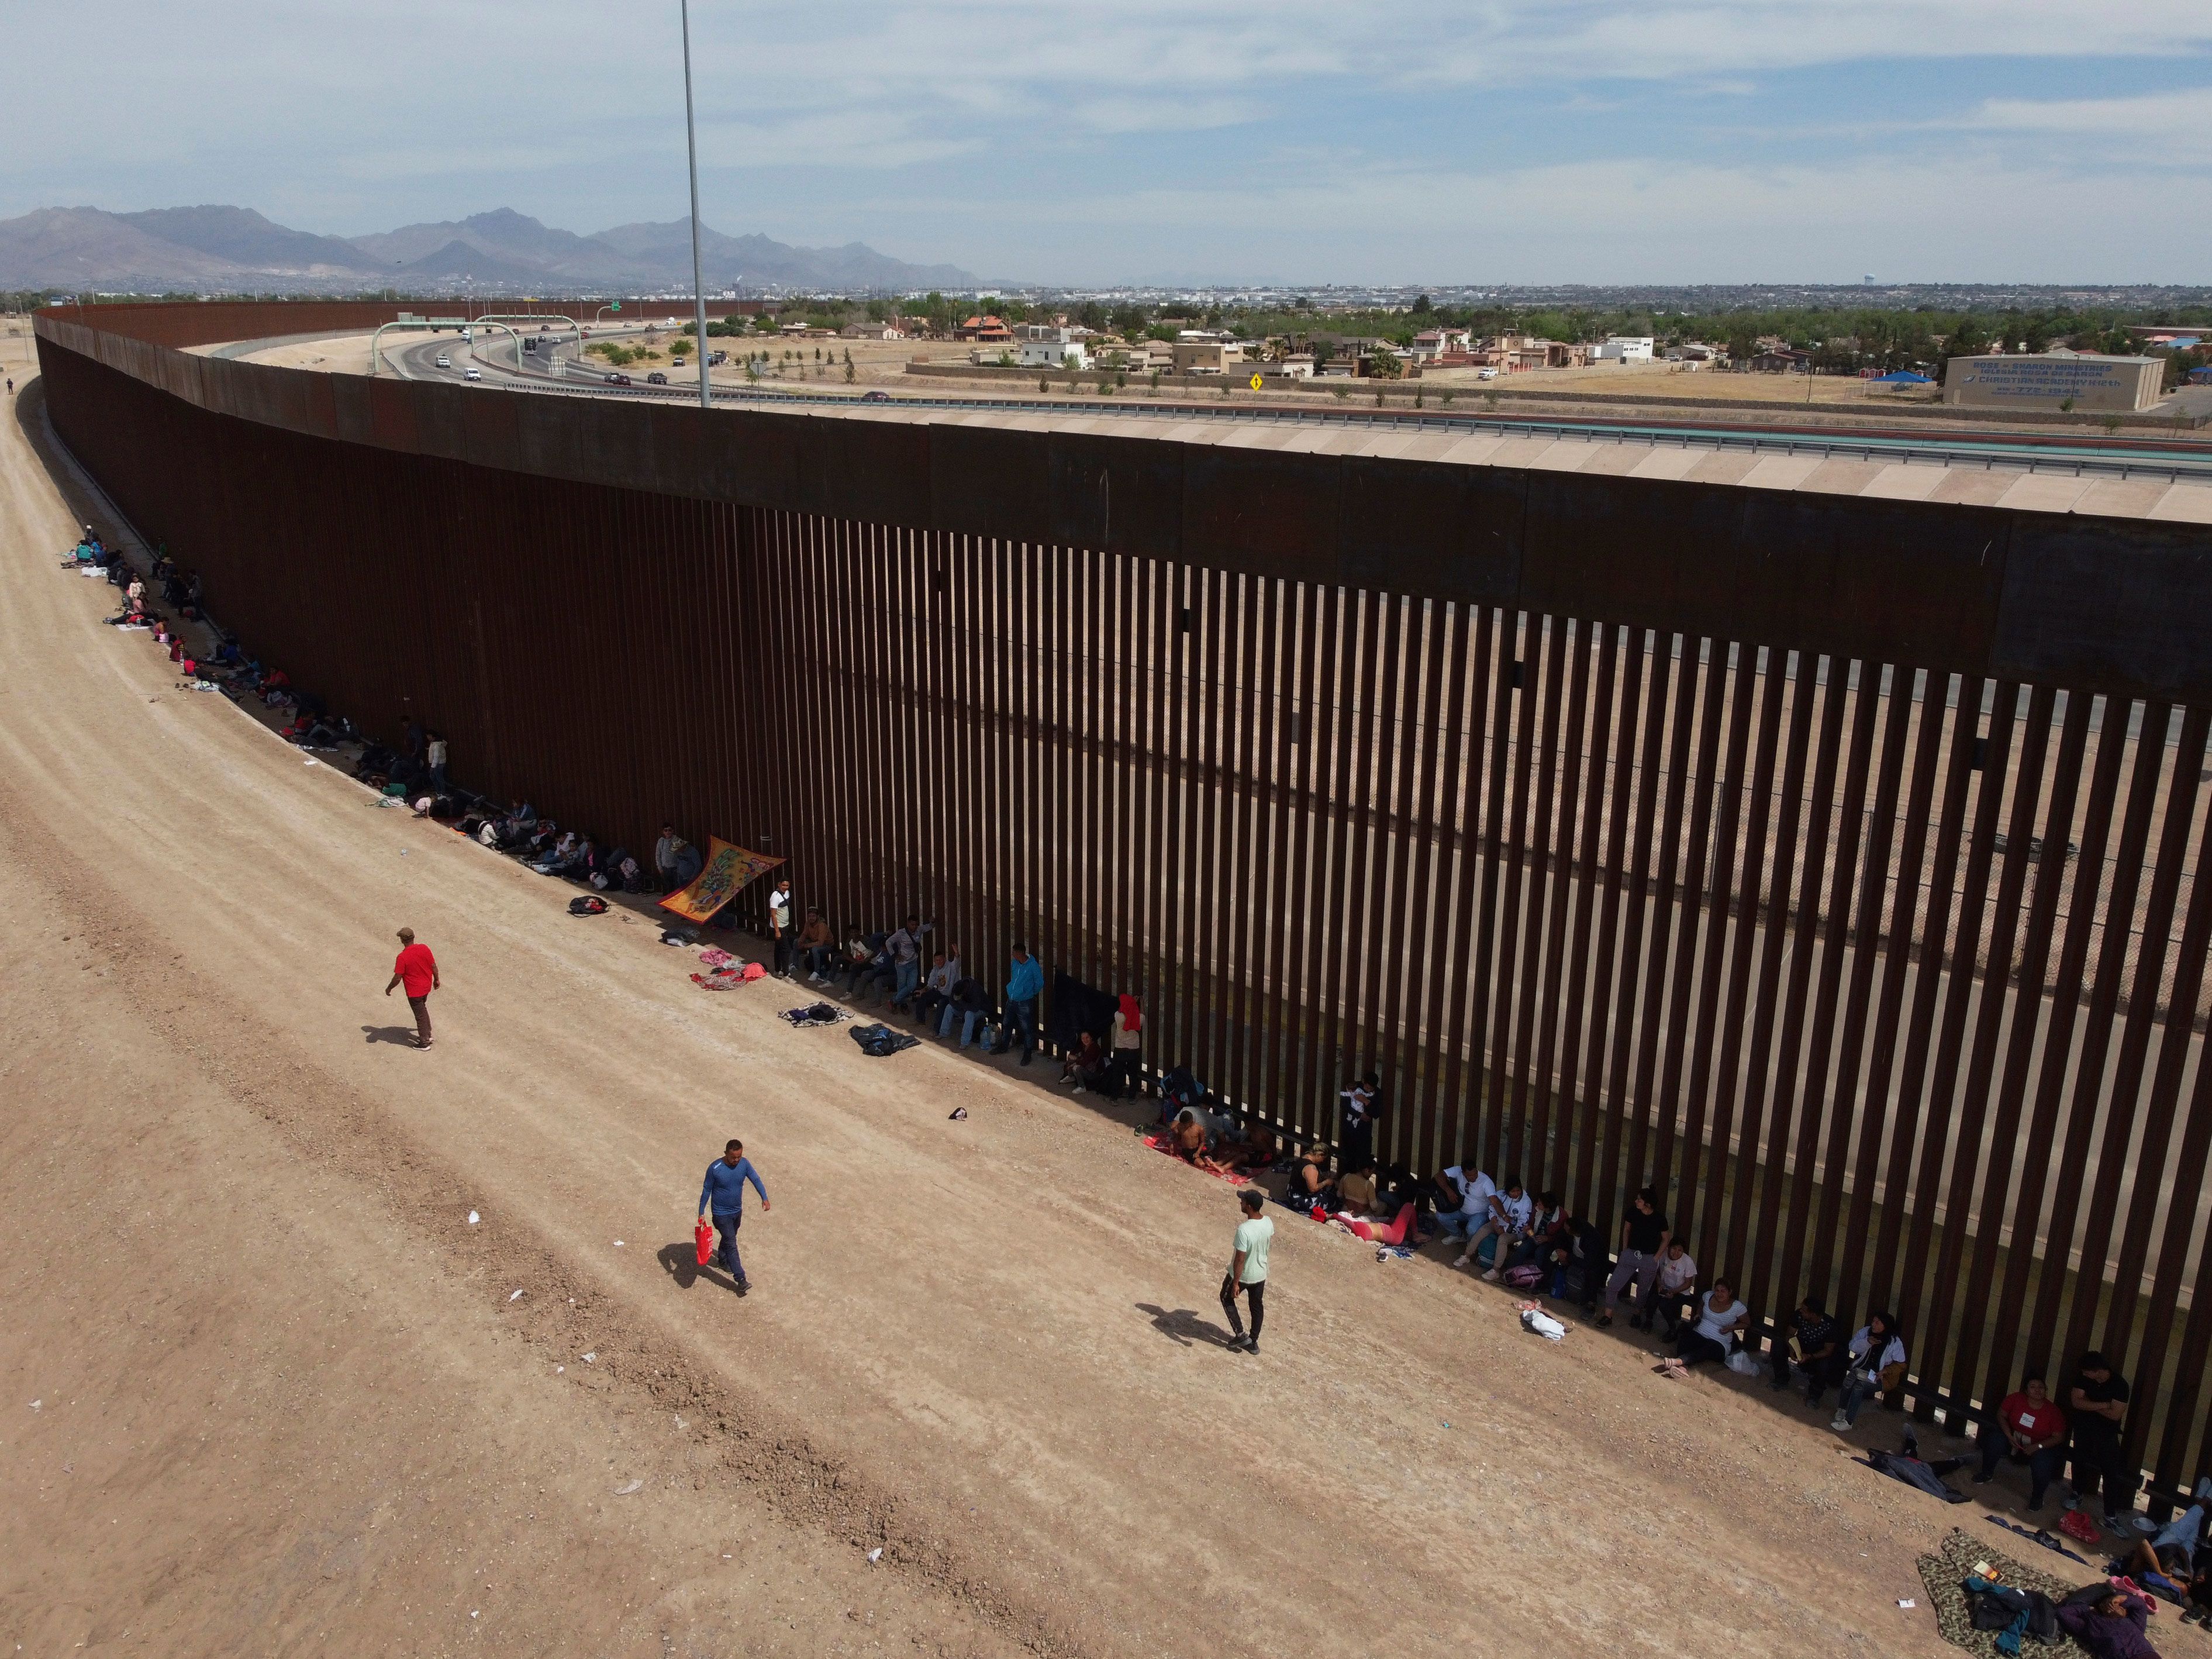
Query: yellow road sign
point(1255, 383)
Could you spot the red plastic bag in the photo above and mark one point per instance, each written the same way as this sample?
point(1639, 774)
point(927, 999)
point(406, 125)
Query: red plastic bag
point(705, 1236)
point(2077, 1526)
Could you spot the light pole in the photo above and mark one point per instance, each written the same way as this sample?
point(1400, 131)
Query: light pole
point(698, 283)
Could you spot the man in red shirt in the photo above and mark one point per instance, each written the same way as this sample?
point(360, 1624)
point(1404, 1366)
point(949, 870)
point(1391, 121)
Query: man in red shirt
point(417, 969)
point(2030, 1429)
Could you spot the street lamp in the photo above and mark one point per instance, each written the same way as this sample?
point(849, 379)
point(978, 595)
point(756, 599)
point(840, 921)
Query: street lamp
point(698, 283)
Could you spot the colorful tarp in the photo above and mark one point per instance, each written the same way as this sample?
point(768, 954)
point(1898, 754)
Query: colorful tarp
point(727, 869)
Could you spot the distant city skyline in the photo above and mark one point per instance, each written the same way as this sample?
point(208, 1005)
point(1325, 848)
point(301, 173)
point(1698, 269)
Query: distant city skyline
point(1228, 144)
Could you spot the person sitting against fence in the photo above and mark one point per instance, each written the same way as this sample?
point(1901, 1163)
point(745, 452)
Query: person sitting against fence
point(1722, 1319)
point(1674, 1292)
point(816, 947)
point(1505, 1226)
point(1874, 1363)
point(1809, 1348)
point(1309, 1182)
point(1551, 1232)
point(2108, 1621)
point(1179, 1089)
point(1086, 1065)
point(858, 953)
point(897, 969)
point(2026, 1428)
point(566, 854)
point(1462, 1195)
point(937, 990)
point(971, 1006)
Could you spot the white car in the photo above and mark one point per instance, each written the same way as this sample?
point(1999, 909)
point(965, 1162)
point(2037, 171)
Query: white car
point(472, 374)
point(1485, 373)
point(444, 361)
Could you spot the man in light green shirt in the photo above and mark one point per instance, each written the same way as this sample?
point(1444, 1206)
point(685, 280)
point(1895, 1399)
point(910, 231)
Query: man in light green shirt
point(1247, 1271)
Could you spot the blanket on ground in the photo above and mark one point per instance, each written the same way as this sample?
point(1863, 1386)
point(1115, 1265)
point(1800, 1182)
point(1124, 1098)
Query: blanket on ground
point(1166, 1144)
point(1945, 1573)
point(819, 1014)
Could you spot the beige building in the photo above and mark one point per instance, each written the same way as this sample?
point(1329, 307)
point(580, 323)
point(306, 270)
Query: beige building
point(1207, 356)
point(2045, 381)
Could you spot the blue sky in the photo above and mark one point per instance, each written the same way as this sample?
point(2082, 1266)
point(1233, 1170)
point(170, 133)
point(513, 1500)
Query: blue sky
point(1577, 140)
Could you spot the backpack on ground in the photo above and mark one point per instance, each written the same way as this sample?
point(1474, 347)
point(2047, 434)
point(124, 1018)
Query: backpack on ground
point(590, 904)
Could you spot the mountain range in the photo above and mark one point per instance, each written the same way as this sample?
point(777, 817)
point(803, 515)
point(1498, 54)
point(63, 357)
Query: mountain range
point(218, 250)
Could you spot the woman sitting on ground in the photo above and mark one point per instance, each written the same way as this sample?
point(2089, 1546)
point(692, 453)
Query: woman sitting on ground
point(1722, 1321)
point(1876, 1366)
point(1086, 1065)
point(1310, 1181)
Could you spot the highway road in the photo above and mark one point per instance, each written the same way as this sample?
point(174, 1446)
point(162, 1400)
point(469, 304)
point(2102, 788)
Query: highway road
point(2066, 455)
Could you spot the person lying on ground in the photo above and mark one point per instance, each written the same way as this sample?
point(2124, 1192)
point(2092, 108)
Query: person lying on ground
point(1086, 1065)
point(1673, 1293)
point(1399, 1231)
point(2027, 1428)
point(817, 949)
point(1809, 1349)
point(1256, 1149)
point(1463, 1195)
point(2174, 1561)
point(1722, 1321)
point(1507, 1223)
point(2109, 1622)
point(1874, 1363)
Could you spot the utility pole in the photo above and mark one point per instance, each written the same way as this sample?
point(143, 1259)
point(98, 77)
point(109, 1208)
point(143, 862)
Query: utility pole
point(698, 283)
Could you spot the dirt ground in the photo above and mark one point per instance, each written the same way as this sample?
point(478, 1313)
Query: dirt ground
point(265, 1388)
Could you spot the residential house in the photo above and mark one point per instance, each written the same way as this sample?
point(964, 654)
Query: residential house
point(1209, 356)
point(983, 331)
point(1784, 361)
point(1051, 353)
point(1433, 344)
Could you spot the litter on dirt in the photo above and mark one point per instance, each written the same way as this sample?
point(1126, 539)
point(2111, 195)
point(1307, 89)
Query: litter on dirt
point(625, 1491)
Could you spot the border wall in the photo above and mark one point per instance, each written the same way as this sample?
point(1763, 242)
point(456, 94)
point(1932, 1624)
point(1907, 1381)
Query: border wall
point(1830, 863)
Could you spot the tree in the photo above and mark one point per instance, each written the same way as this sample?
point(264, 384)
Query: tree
point(1422, 307)
point(851, 375)
point(1966, 339)
point(1384, 365)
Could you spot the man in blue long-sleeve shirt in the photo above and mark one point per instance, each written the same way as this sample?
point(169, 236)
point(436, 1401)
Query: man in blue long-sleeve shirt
point(722, 1196)
point(1024, 985)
